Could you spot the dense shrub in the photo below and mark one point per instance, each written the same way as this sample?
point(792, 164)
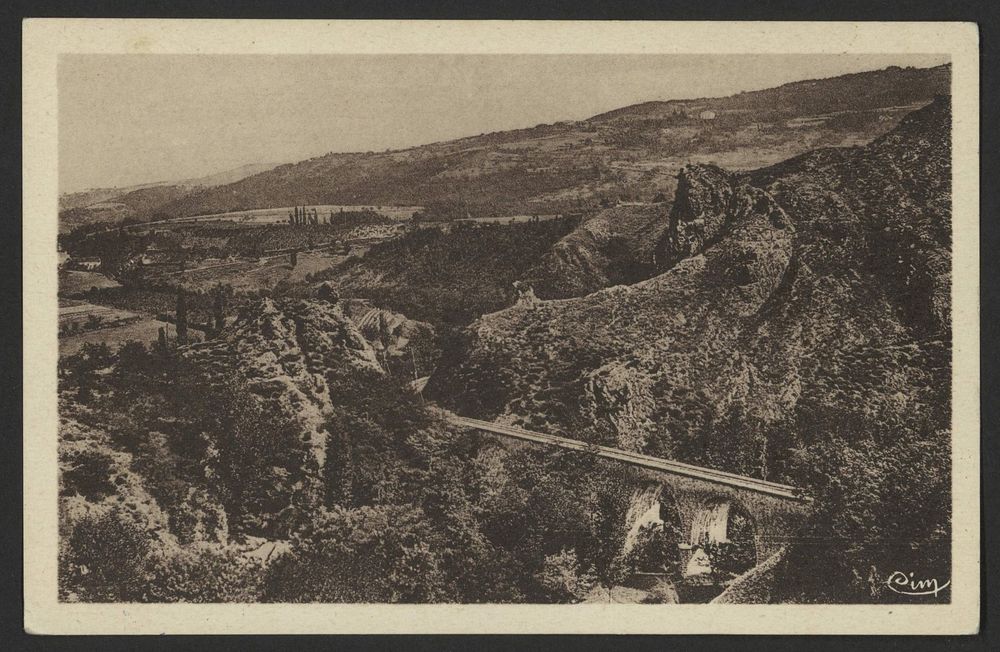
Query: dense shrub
point(105, 558)
point(880, 508)
point(369, 554)
point(205, 574)
point(87, 473)
point(561, 578)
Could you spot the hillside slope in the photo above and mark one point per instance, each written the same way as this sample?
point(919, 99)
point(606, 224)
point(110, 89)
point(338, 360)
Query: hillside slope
point(892, 86)
point(613, 246)
point(140, 202)
point(631, 153)
point(448, 276)
point(798, 302)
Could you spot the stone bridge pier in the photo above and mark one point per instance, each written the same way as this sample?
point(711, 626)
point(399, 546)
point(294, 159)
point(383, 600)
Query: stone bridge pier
point(702, 511)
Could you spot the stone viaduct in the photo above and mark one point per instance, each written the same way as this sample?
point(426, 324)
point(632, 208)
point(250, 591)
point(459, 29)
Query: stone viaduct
point(700, 498)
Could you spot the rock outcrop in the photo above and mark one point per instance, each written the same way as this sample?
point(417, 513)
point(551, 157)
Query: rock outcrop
point(796, 302)
point(389, 333)
point(612, 247)
point(709, 202)
point(283, 351)
point(277, 359)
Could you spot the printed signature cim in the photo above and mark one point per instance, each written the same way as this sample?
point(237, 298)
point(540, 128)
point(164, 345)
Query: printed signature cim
point(905, 584)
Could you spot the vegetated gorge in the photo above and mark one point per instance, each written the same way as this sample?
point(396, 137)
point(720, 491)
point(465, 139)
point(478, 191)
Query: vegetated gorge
point(255, 412)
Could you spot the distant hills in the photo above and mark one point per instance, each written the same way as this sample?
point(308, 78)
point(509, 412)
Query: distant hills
point(632, 153)
point(140, 202)
point(227, 176)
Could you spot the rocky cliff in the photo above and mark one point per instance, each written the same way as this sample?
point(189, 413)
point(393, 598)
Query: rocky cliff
point(795, 302)
point(276, 361)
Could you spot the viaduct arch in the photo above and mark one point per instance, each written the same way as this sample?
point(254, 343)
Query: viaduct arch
point(702, 498)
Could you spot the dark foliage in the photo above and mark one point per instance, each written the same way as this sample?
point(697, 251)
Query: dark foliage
point(105, 559)
point(449, 277)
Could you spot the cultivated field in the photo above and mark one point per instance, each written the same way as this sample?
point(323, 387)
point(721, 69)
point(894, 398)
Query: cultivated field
point(280, 215)
point(73, 282)
point(508, 219)
point(76, 315)
point(144, 330)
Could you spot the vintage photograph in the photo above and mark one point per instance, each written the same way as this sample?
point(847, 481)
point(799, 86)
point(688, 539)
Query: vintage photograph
point(485, 329)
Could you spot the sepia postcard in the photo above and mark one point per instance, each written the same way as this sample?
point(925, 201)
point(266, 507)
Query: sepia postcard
point(500, 327)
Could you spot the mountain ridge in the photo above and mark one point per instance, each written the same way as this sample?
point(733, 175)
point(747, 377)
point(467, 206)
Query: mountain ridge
point(89, 196)
point(785, 296)
point(629, 153)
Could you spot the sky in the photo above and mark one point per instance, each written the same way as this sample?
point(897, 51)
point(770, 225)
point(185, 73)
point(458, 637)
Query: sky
point(136, 118)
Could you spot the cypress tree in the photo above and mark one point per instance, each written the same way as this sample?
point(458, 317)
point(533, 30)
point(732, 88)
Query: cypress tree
point(182, 326)
point(219, 307)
